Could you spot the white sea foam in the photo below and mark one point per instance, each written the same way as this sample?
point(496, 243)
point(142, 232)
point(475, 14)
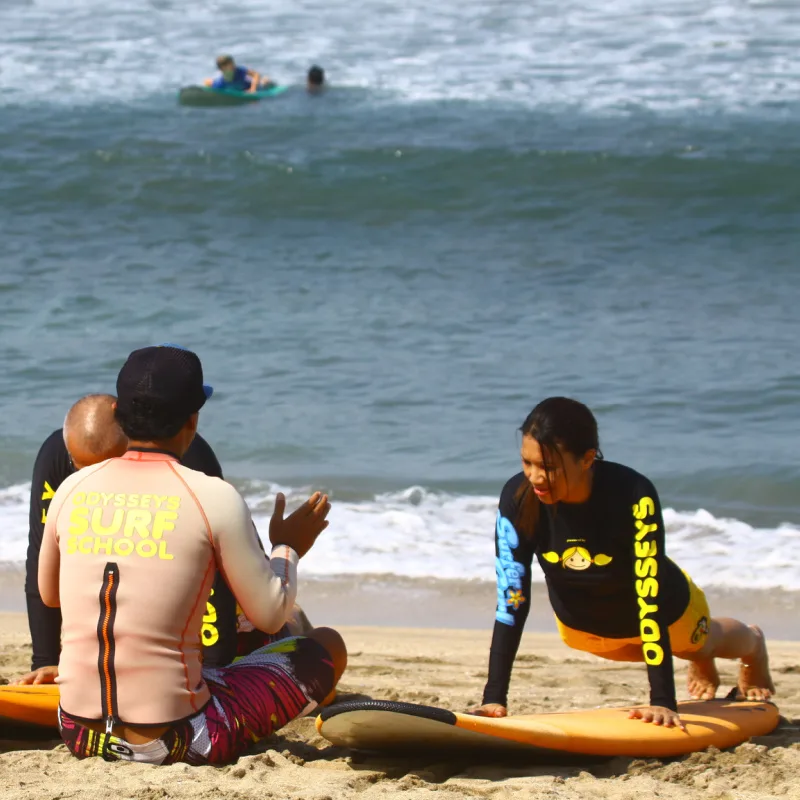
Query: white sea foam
point(720, 54)
point(421, 533)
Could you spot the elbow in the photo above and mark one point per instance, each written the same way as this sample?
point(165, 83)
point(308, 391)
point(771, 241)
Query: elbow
point(271, 623)
point(50, 599)
point(270, 620)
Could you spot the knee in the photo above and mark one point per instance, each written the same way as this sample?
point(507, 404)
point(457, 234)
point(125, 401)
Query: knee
point(332, 641)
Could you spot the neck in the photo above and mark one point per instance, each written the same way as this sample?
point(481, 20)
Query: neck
point(583, 491)
point(165, 447)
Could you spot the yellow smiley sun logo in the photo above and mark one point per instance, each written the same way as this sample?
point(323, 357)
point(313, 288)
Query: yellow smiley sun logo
point(577, 558)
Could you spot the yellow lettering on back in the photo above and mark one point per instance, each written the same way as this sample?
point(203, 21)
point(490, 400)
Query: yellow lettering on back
point(110, 530)
point(173, 502)
point(48, 492)
point(137, 519)
point(163, 523)
point(162, 551)
point(79, 521)
point(146, 548)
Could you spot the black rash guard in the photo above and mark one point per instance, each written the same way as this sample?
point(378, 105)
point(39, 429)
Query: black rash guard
point(605, 569)
point(52, 467)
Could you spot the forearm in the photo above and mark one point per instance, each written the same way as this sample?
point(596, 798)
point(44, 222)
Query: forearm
point(264, 588)
point(503, 652)
point(45, 628)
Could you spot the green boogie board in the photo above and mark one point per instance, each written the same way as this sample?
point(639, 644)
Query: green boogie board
point(206, 97)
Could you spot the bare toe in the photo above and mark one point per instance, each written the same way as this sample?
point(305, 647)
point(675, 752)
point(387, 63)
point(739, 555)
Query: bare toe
point(703, 679)
point(755, 681)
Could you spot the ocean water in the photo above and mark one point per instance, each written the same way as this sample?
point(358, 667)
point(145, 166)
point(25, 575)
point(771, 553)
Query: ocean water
point(494, 202)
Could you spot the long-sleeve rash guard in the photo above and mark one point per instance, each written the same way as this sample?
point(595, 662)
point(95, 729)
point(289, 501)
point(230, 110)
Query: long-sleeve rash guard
point(605, 569)
point(51, 468)
point(129, 552)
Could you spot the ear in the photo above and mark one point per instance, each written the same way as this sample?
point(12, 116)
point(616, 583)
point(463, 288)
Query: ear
point(588, 459)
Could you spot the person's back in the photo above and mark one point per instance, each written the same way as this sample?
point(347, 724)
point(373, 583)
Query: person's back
point(136, 536)
point(93, 437)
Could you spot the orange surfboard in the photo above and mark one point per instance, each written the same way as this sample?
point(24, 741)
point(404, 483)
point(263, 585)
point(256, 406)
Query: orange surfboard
point(29, 707)
point(385, 726)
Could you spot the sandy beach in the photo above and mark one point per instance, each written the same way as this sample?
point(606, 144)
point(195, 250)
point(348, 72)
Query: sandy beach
point(444, 668)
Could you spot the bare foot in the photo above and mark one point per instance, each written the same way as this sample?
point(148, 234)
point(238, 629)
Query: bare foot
point(703, 679)
point(755, 682)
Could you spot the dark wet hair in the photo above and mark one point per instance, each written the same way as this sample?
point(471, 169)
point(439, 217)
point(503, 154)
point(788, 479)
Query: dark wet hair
point(146, 421)
point(557, 424)
point(316, 76)
point(223, 61)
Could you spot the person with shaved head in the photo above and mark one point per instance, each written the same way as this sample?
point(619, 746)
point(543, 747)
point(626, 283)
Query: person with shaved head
point(90, 435)
point(90, 432)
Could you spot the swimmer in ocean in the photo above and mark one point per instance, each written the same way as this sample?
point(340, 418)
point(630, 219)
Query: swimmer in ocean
point(241, 79)
point(315, 80)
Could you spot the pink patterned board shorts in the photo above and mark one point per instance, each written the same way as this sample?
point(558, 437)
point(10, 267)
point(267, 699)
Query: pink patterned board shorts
point(250, 699)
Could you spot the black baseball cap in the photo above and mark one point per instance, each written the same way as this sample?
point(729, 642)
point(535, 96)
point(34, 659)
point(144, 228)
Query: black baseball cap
point(168, 376)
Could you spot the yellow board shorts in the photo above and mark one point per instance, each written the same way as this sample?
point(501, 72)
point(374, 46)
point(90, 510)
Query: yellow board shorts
point(687, 634)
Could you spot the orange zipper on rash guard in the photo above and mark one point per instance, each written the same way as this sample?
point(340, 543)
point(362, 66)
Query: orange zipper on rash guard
point(105, 635)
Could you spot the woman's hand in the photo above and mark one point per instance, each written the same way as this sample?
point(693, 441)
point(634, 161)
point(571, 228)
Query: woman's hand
point(490, 710)
point(658, 715)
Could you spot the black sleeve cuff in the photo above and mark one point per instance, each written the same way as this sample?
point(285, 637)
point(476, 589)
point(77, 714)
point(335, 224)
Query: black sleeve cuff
point(664, 702)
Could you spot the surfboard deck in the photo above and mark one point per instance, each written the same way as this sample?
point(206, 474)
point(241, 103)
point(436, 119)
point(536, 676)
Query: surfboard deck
point(29, 707)
point(385, 726)
point(206, 97)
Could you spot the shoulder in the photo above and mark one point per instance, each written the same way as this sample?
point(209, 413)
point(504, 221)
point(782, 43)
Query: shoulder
point(509, 495)
point(216, 496)
point(53, 446)
point(72, 481)
point(201, 457)
point(52, 461)
point(624, 480)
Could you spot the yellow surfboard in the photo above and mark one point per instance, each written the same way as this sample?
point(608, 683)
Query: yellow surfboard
point(34, 707)
point(384, 726)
